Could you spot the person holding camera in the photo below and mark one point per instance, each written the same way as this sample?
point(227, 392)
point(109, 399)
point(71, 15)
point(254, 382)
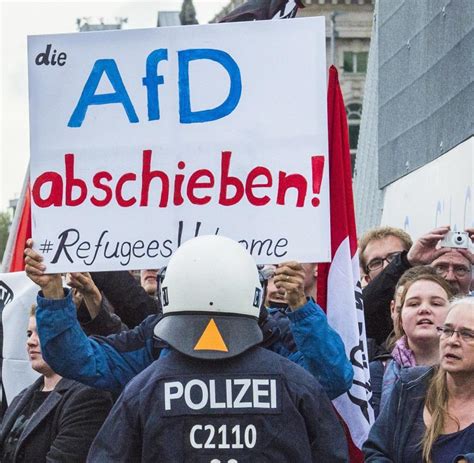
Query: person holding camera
point(439, 248)
point(455, 266)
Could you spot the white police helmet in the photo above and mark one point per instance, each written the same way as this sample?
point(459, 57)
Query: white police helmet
point(211, 296)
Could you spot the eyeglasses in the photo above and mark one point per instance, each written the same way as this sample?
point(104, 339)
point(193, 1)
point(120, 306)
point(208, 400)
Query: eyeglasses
point(377, 263)
point(458, 270)
point(465, 334)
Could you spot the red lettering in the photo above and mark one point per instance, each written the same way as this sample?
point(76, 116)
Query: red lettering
point(72, 182)
point(121, 201)
point(147, 176)
point(194, 184)
point(227, 180)
point(291, 181)
point(317, 165)
point(250, 184)
point(178, 185)
point(185, 187)
point(97, 182)
point(55, 197)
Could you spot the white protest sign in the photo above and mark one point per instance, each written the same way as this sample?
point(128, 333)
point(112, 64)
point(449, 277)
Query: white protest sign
point(142, 139)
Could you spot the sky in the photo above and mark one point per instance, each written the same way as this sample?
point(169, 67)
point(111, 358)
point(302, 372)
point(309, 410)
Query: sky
point(18, 20)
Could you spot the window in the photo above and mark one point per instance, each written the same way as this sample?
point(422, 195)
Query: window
point(355, 62)
point(354, 114)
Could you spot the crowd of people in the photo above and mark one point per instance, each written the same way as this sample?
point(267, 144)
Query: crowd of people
point(215, 359)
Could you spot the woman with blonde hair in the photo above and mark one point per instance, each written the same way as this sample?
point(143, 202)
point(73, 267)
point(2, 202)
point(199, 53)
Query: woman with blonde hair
point(429, 417)
point(53, 420)
point(421, 304)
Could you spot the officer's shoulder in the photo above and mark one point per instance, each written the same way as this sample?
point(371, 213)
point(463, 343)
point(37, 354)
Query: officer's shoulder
point(170, 363)
point(290, 371)
point(140, 383)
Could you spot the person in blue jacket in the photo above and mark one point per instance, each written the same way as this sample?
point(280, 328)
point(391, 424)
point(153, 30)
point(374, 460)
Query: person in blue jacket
point(214, 395)
point(303, 336)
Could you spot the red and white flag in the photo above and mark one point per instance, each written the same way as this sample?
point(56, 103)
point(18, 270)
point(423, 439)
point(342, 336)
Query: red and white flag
point(339, 291)
point(20, 231)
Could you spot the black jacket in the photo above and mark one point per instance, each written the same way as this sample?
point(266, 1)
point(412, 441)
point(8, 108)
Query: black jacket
point(256, 407)
point(63, 427)
point(105, 323)
point(377, 296)
point(130, 301)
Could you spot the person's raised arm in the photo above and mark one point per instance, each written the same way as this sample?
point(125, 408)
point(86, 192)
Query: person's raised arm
point(94, 312)
point(101, 362)
point(84, 285)
point(425, 249)
point(131, 302)
point(320, 348)
point(51, 284)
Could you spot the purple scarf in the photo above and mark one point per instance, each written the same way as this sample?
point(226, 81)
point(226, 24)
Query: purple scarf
point(402, 354)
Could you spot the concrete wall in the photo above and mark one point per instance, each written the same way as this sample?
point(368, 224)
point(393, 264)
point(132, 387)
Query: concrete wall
point(426, 90)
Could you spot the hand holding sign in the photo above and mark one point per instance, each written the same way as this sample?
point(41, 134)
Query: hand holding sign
point(289, 277)
point(51, 284)
point(84, 289)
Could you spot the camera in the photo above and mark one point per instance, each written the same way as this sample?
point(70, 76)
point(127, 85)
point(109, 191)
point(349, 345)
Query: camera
point(455, 239)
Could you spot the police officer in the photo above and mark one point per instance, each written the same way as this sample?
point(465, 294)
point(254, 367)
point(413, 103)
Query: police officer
point(215, 396)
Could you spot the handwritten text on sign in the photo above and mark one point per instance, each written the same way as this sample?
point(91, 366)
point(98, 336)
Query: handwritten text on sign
point(143, 139)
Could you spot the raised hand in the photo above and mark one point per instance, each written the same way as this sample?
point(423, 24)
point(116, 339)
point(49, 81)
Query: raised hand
point(83, 284)
point(424, 249)
point(50, 283)
point(289, 278)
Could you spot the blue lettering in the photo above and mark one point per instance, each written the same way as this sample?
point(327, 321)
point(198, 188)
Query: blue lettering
point(186, 115)
point(152, 80)
point(88, 96)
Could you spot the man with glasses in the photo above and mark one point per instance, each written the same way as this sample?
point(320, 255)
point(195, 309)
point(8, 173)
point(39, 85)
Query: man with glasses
point(378, 247)
point(456, 268)
point(383, 259)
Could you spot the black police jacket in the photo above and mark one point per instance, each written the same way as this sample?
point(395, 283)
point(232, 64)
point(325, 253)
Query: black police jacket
point(257, 407)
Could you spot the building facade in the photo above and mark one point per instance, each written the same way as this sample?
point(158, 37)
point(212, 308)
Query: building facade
point(348, 32)
point(418, 155)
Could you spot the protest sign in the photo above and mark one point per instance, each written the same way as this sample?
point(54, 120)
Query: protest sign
point(142, 139)
point(17, 294)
